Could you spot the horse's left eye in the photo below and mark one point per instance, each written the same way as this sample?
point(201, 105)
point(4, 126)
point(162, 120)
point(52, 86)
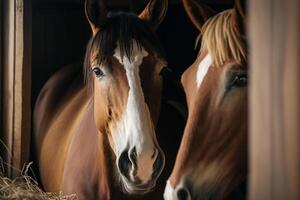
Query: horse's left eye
point(238, 80)
point(98, 72)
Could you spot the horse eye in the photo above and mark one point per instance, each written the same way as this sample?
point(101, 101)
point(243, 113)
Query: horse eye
point(238, 80)
point(98, 72)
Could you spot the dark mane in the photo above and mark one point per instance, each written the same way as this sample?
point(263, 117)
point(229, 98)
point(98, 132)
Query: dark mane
point(119, 28)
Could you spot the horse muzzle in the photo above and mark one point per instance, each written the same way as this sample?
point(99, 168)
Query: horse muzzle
point(186, 191)
point(133, 172)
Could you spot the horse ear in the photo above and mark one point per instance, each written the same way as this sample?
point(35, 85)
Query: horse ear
point(239, 16)
point(154, 13)
point(95, 12)
point(198, 12)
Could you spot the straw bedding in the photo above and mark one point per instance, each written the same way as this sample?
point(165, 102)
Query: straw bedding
point(24, 187)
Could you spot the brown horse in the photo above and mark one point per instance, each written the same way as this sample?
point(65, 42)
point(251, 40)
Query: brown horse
point(212, 158)
point(97, 139)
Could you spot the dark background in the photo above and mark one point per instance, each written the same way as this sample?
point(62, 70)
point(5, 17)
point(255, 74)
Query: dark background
point(60, 34)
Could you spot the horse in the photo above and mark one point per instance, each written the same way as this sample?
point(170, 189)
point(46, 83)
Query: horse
point(97, 140)
point(212, 159)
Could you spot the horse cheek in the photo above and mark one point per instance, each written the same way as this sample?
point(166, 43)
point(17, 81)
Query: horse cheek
point(100, 110)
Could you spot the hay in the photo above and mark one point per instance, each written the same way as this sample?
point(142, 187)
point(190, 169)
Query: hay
point(24, 187)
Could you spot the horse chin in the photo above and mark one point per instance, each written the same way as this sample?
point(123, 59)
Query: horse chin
point(137, 189)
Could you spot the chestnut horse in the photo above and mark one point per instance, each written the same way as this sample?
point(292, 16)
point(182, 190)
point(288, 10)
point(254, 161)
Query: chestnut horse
point(97, 139)
point(212, 159)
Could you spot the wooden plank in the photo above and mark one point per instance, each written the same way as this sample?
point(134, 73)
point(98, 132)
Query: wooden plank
point(8, 98)
point(274, 99)
point(26, 83)
point(1, 68)
point(260, 155)
point(16, 82)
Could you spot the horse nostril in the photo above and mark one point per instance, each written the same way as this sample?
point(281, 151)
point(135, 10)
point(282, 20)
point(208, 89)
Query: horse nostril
point(127, 163)
point(183, 194)
point(124, 164)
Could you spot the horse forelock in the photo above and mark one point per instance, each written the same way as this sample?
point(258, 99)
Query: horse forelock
point(223, 40)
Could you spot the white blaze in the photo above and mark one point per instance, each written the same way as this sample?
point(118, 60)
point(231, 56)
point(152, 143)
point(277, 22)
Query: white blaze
point(203, 69)
point(135, 128)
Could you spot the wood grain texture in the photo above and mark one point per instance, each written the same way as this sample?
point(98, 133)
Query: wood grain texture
point(274, 99)
point(1, 73)
point(16, 82)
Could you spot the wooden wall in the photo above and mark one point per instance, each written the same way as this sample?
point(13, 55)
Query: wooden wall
point(16, 68)
point(274, 99)
point(1, 79)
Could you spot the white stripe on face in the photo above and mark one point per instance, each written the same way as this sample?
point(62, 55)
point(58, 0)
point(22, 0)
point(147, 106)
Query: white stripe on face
point(135, 129)
point(203, 69)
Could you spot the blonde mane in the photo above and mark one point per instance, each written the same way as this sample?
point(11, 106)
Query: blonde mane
point(223, 40)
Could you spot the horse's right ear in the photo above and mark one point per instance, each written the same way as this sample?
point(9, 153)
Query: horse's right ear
point(95, 12)
point(198, 12)
point(154, 13)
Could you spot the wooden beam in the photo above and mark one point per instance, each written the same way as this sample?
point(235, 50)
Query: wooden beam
point(1, 73)
point(16, 82)
point(274, 99)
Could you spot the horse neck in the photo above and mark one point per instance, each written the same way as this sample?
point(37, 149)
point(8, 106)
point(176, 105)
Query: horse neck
point(98, 156)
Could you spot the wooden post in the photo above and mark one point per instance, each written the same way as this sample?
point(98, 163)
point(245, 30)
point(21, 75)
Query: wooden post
point(1, 72)
point(274, 153)
point(16, 82)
